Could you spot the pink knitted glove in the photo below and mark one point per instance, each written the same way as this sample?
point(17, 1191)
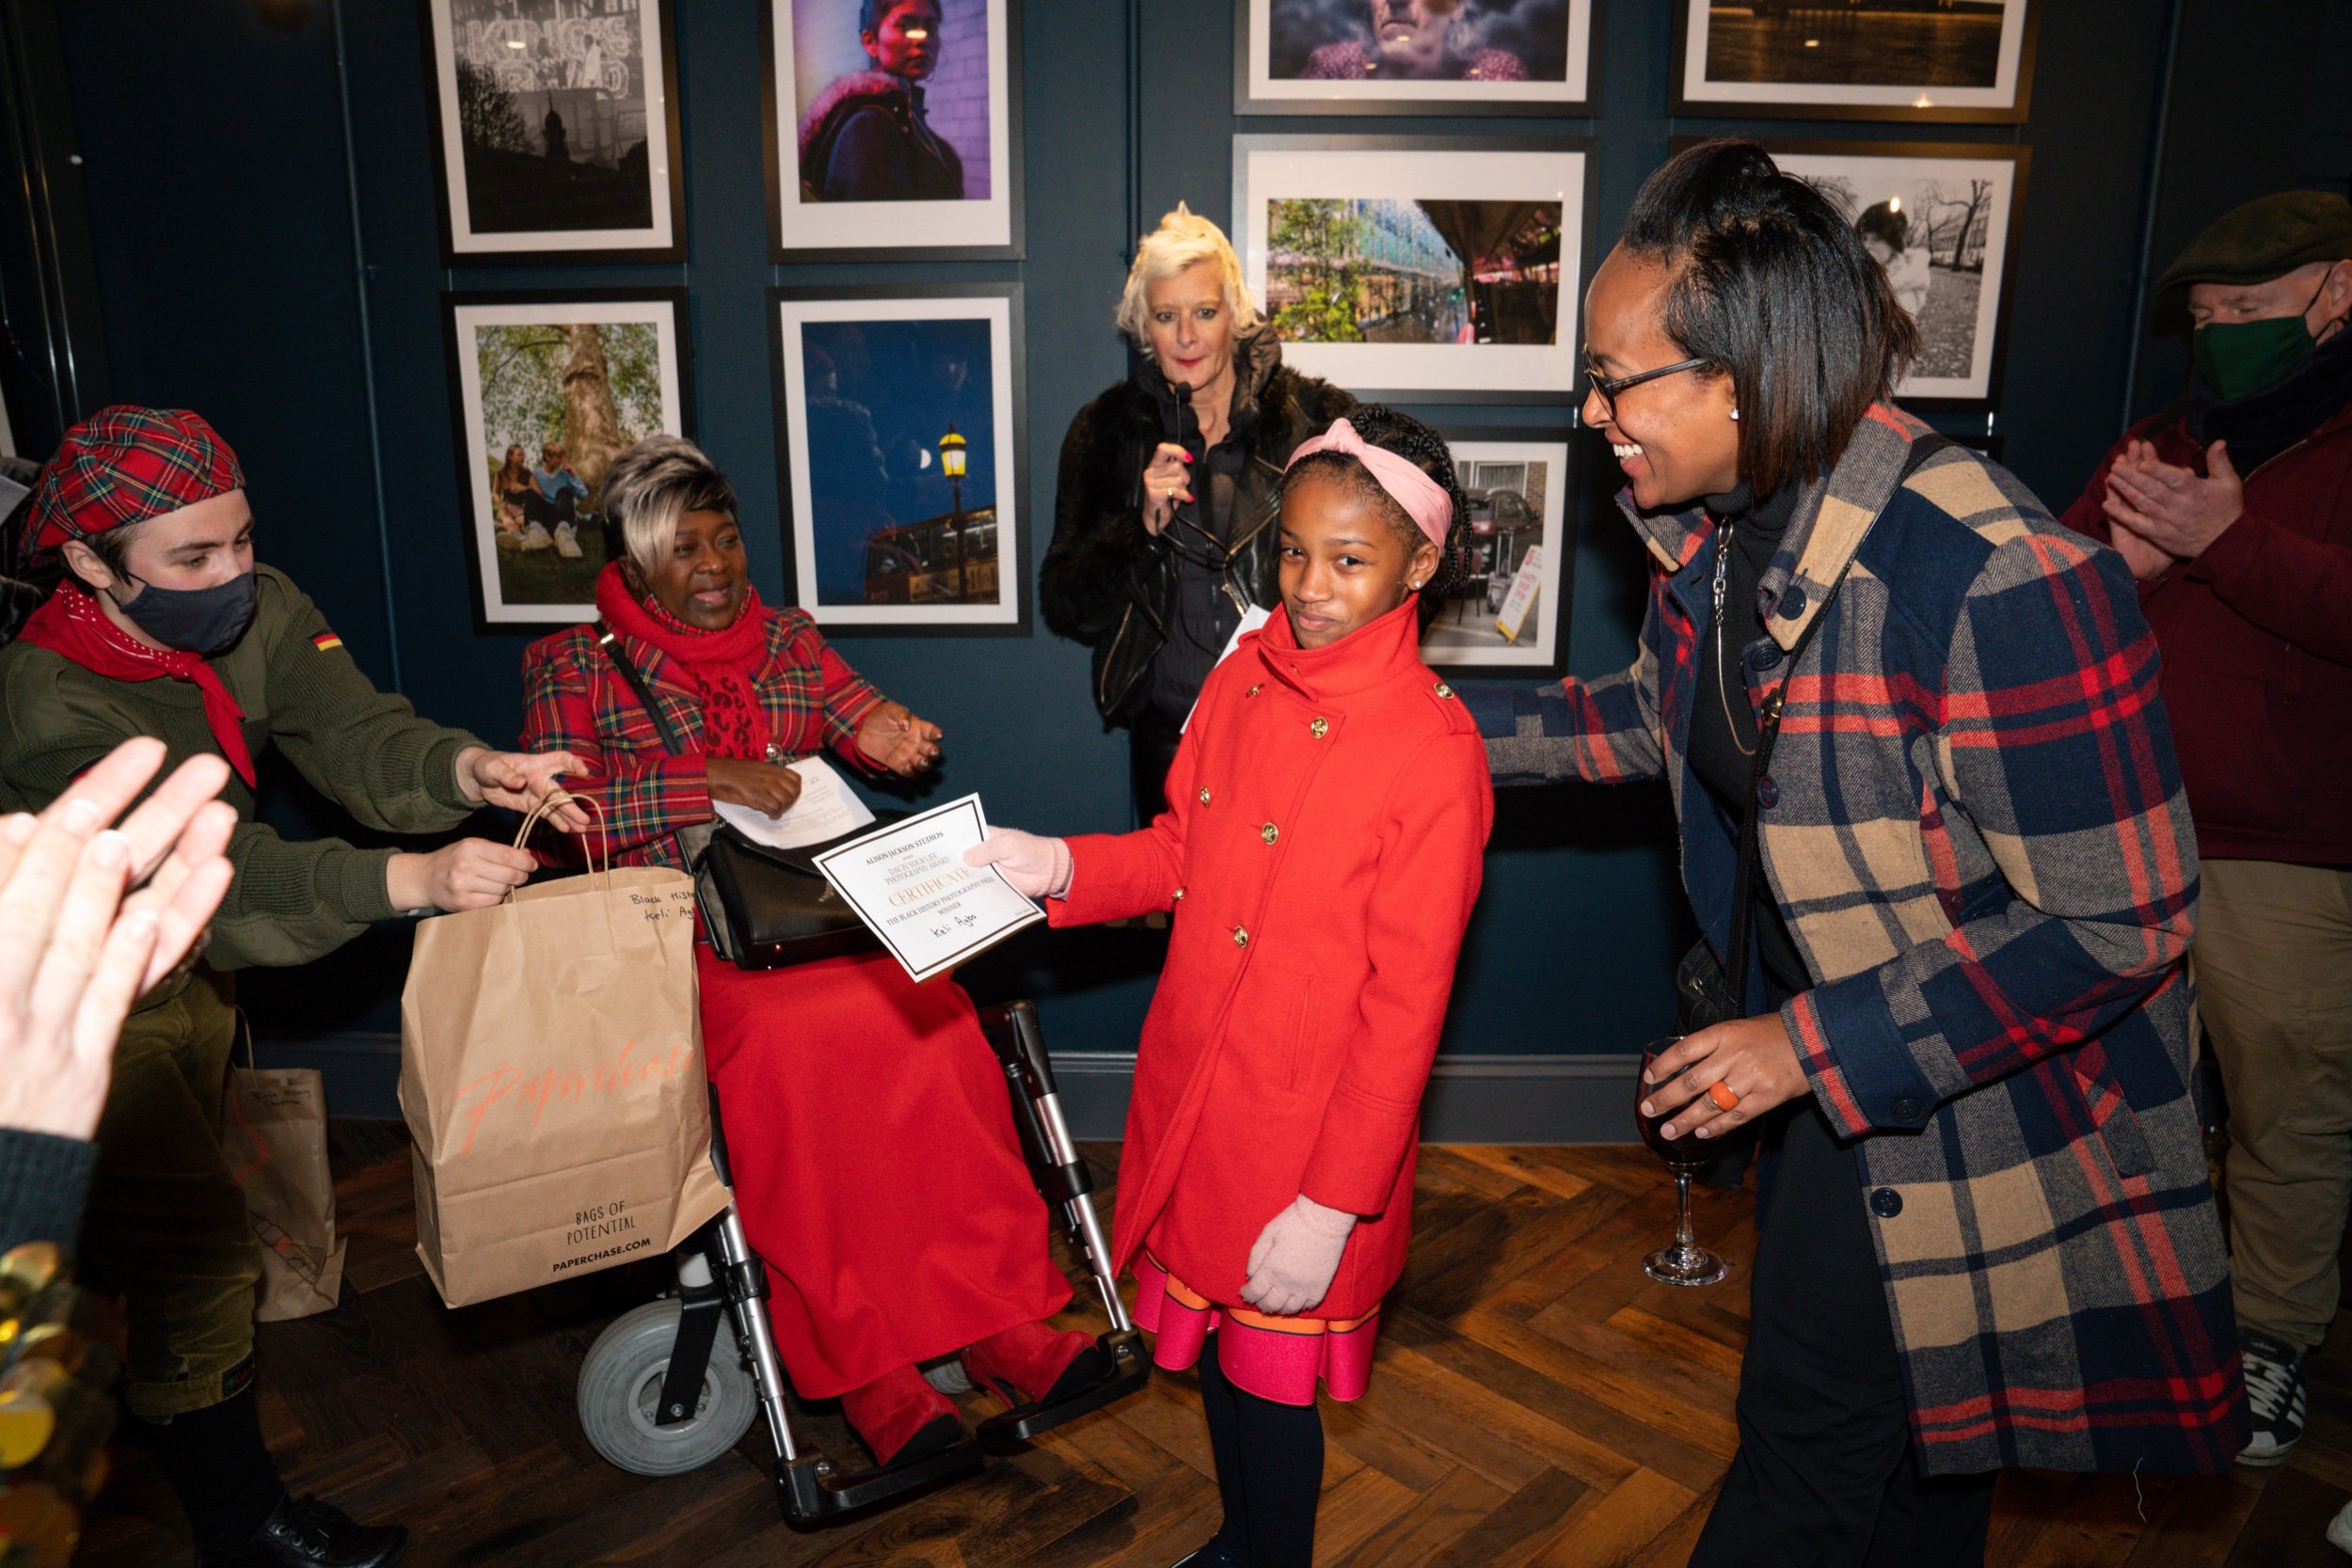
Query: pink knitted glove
point(1037, 866)
point(1296, 1255)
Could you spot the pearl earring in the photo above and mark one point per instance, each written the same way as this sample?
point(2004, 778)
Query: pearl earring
point(1735, 416)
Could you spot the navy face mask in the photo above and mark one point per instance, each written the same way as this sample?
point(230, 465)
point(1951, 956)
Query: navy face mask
point(201, 621)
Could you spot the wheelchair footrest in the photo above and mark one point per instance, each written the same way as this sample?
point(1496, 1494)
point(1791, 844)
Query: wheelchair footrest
point(1125, 1370)
point(812, 1494)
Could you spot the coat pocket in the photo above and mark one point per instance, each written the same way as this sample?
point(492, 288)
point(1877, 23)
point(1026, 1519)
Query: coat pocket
point(2117, 1125)
point(1301, 1033)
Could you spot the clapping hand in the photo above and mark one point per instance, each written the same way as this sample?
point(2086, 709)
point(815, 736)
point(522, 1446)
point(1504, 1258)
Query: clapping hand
point(894, 738)
point(2169, 512)
point(75, 953)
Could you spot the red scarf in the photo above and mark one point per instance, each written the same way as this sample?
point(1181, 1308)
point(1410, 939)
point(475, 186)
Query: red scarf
point(719, 665)
point(70, 624)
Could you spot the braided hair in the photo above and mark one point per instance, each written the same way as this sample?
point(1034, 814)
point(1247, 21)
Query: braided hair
point(1424, 448)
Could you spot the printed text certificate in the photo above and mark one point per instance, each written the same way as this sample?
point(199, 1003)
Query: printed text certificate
point(908, 883)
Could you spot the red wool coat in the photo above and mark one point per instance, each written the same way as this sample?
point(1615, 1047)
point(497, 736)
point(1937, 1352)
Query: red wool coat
point(1321, 858)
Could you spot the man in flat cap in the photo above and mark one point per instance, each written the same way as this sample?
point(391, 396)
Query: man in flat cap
point(2233, 508)
point(165, 624)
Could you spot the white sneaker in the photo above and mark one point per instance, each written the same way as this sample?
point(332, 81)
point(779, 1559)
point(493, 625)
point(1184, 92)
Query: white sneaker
point(567, 542)
point(2340, 1530)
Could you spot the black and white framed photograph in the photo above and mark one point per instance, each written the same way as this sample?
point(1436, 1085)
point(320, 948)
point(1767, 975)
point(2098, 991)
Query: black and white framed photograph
point(1510, 617)
point(893, 129)
point(547, 389)
point(558, 129)
point(1413, 57)
point(901, 456)
point(1419, 266)
point(1942, 221)
point(1923, 60)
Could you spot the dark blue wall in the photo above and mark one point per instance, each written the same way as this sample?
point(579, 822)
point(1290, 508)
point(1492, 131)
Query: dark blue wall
point(216, 166)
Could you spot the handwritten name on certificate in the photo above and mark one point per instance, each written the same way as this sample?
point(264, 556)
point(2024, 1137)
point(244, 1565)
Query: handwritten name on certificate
point(909, 883)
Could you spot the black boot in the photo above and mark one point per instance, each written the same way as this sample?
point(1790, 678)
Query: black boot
point(304, 1532)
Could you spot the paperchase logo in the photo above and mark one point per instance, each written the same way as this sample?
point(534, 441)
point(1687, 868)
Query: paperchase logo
point(510, 1086)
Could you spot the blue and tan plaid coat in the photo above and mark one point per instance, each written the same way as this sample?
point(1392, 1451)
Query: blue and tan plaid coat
point(1974, 828)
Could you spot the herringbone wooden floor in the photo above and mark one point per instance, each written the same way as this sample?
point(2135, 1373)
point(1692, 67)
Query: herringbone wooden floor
point(1537, 1403)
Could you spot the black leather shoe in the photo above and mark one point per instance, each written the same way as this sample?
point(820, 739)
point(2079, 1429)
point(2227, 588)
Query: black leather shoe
point(304, 1532)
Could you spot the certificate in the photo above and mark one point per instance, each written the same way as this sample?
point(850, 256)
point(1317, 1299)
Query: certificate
point(909, 883)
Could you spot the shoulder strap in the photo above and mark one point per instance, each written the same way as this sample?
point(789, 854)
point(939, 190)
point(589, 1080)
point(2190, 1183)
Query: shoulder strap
point(610, 642)
point(1768, 734)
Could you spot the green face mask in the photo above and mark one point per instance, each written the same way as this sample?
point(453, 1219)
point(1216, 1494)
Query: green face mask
point(2240, 358)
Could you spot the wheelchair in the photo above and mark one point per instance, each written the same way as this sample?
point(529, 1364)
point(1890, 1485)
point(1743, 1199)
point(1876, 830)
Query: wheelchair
point(675, 1384)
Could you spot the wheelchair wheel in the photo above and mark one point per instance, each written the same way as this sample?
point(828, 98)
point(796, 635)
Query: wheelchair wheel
point(620, 1385)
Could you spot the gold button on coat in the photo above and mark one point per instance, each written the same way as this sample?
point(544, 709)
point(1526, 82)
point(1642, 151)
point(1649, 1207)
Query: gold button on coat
point(1444, 690)
point(1269, 832)
point(1241, 936)
point(1178, 896)
point(1255, 689)
point(1205, 795)
point(1319, 727)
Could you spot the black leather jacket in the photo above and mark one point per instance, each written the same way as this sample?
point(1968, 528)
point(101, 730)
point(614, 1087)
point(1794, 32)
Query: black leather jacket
point(1108, 583)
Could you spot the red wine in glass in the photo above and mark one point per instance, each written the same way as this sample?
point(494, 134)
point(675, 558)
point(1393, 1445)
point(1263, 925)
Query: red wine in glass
point(1684, 1263)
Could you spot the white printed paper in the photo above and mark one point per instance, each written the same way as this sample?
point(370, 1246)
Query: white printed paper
point(910, 885)
point(1522, 599)
point(825, 810)
point(1251, 619)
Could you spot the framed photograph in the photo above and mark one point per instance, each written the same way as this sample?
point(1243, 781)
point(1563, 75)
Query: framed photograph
point(1943, 221)
point(896, 142)
point(1444, 269)
point(1413, 57)
point(900, 447)
point(558, 126)
point(1511, 616)
point(1923, 60)
point(549, 389)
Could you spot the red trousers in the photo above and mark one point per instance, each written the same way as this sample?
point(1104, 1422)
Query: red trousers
point(876, 1166)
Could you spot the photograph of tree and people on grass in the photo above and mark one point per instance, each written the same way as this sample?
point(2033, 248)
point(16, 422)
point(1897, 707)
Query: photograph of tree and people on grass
point(1386, 271)
point(1928, 43)
point(558, 402)
point(1929, 235)
point(552, 112)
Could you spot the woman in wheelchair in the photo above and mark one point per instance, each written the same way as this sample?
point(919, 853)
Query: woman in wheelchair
point(874, 1156)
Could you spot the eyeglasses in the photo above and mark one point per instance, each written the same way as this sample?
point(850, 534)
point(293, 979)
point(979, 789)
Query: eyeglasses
point(1609, 387)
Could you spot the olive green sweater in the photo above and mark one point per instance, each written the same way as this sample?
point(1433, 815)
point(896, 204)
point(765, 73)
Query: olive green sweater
point(301, 693)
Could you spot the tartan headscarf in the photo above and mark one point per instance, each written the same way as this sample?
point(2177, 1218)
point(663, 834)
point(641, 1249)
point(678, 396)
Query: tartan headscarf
point(124, 464)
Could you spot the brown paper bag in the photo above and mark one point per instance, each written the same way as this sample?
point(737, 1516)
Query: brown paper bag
point(274, 1135)
point(551, 1076)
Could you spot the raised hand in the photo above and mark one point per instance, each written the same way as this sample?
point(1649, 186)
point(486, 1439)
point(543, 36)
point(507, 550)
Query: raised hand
point(897, 740)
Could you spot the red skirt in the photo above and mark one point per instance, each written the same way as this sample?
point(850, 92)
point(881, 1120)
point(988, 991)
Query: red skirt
point(1279, 1360)
point(876, 1166)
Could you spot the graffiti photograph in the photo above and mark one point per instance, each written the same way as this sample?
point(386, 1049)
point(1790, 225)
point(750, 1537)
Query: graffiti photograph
point(559, 129)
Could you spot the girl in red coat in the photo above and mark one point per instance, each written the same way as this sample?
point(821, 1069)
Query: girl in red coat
point(1329, 808)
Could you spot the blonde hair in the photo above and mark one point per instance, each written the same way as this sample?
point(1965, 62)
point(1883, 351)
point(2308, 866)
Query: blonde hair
point(1181, 241)
point(653, 484)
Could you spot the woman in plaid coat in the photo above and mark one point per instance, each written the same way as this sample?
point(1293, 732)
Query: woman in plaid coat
point(1985, 1234)
point(869, 1133)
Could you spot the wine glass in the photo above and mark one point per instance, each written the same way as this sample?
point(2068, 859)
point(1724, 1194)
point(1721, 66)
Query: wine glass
point(1685, 1262)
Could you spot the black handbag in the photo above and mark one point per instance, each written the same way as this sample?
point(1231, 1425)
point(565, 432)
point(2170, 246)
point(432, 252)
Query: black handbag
point(1705, 993)
point(763, 907)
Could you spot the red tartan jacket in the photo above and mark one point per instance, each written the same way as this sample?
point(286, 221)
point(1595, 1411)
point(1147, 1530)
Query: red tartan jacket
point(575, 699)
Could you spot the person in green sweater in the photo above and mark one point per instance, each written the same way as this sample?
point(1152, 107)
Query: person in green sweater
point(165, 626)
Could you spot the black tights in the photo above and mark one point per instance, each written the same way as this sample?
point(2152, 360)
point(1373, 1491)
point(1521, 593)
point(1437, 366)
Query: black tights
point(1269, 1469)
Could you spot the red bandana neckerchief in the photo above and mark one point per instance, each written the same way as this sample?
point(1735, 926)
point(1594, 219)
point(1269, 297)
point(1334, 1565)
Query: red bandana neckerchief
point(719, 665)
point(70, 624)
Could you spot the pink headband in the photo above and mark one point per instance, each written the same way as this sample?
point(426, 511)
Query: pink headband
point(1422, 498)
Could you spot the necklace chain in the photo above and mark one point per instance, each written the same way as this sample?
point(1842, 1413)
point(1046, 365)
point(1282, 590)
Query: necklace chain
point(1723, 695)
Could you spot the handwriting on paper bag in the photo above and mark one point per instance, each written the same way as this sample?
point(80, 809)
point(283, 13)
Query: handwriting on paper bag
point(511, 1085)
point(659, 906)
